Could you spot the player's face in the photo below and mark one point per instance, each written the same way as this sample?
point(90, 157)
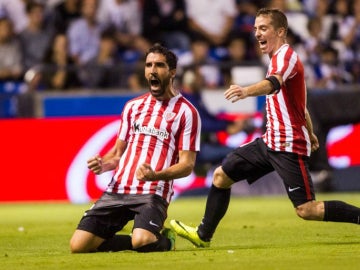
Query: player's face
point(158, 75)
point(269, 39)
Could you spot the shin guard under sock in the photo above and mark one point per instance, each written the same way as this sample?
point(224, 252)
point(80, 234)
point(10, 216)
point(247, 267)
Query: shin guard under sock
point(216, 206)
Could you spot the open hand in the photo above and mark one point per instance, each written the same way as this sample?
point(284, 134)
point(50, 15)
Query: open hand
point(235, 93)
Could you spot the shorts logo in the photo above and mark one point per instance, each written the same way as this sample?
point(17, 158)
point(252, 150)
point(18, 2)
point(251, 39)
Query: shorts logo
point(293, 189)
point(153, 224)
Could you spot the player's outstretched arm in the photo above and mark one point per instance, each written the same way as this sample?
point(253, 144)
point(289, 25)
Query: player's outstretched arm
point(264, 87)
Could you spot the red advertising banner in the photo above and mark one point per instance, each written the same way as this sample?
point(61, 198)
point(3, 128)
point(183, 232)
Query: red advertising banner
point(45, 159)
point(39, 154)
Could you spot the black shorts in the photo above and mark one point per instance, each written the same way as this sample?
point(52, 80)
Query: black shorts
point(254, 160)
point(113, 211)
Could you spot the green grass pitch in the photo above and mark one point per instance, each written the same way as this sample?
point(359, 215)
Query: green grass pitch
point(257, 233)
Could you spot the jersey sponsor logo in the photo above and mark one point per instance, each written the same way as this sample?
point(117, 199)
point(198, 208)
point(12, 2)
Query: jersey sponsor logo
point(150, 131)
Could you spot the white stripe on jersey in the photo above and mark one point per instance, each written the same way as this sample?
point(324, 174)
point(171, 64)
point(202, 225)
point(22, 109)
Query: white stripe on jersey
point(287, 123)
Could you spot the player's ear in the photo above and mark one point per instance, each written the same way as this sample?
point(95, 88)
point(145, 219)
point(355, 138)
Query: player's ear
point(281, 32)
point(173, 73)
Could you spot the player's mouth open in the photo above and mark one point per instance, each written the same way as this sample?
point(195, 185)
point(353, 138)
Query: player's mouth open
point(262, 42)
point(154, 82)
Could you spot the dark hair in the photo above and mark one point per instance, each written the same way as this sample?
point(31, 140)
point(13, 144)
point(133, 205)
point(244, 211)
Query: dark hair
point(30, 6)
point(278, 18)
point(171, 58)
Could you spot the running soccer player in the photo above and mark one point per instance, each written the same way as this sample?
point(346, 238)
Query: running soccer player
point(157, 142)
point(285, 146)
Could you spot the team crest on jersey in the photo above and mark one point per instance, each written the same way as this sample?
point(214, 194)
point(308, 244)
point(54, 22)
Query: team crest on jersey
point(169, 116)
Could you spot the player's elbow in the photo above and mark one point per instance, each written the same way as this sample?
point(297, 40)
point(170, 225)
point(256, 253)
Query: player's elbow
point(188, 168)
point(186, 163)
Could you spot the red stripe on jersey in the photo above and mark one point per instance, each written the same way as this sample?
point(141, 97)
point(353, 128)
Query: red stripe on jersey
point(195, 125)
point(181, 132)
point(150, 150)
point(305, 177)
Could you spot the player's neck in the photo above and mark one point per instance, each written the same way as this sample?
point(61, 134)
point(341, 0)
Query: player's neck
point(276, 49)
point(169, 94)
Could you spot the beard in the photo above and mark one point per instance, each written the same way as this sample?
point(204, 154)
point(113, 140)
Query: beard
point(159, 89)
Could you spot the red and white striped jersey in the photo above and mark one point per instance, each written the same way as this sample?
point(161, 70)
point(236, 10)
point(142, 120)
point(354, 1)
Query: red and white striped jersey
point(155, 132)
point(286, 125)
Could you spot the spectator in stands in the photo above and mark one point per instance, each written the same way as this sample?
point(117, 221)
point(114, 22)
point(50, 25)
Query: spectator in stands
point(211, 20)
point(330, 73)
point(15, 11)
point(64, 13)
point(322, 12)
point(10, 52)
point(103, 71)
point(84, 34)
point(238, 54)
point(351, 39)
point(59, 72)
point(314, 43)
point(165, 21)
point(244, 22)
point(199, 57)
point(342, 30)
point(355, 65)
point(246, 12)
point(135, 81)
point(125, 17)
point(36, 38)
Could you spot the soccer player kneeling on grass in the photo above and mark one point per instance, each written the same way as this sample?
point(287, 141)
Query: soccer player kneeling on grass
point(158, 138)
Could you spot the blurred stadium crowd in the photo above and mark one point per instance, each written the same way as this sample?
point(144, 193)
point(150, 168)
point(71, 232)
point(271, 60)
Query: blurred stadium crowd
point(90, 44)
